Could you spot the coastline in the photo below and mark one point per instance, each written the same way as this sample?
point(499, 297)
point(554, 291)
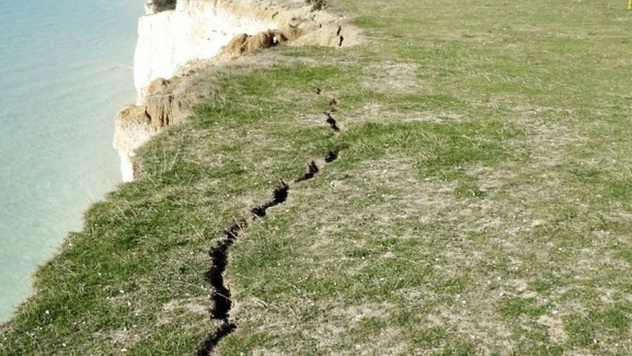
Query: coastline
point(66, 70)
point(166, 102)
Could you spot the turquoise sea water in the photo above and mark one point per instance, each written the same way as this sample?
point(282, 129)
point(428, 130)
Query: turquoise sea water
point(65, 70)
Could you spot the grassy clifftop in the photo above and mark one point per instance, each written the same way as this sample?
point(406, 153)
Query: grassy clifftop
point(480, 203)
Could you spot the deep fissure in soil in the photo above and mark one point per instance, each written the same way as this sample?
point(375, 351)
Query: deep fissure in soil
point(220, 296)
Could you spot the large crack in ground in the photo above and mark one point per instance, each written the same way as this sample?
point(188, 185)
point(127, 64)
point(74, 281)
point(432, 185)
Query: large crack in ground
point(220, 296)
point(279, 197)
point(312, 170)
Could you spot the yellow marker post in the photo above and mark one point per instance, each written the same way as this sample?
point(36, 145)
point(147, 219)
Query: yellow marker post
point(630, 5)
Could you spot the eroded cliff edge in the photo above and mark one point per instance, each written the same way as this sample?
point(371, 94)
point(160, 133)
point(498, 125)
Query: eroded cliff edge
point(178, 44)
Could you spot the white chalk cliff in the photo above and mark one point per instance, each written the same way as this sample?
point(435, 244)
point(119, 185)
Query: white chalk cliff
point(194, 30)
point(197, 30)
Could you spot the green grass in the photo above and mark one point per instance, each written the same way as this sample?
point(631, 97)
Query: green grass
point(480, 205)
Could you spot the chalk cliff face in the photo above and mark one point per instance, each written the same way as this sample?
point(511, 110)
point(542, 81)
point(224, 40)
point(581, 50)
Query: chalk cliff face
point(179, 43)
point(167, 41)
point(196, 29)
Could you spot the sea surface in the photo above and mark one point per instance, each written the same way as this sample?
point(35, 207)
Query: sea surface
point(65, 70)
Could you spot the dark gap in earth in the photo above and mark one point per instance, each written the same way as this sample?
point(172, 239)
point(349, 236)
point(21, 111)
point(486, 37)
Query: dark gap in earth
point(259, 211)
point(341, 40)
point(312, 170)
point(220, 296)
point(279, 196)
point(212, 340)
point(215, 277)
point(332, 156)
point(331, 121)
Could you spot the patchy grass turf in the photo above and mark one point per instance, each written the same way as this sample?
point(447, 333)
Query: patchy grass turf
point(480, 205)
